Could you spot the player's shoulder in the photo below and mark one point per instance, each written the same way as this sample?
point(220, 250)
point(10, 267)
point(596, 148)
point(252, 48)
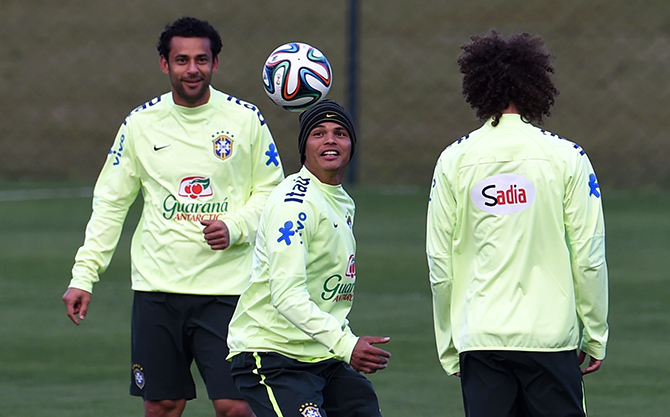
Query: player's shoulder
point(236, 108)
point(298, 192)
point(458, 145)
point(296, 188)
point(455, 151)
point(462, 144)
point(149, 111)
point(561, 144)
point(297, 199)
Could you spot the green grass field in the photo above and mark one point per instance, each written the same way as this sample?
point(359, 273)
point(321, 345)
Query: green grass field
point(50, 367)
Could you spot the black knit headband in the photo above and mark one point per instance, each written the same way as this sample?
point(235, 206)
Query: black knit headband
point(325, 111)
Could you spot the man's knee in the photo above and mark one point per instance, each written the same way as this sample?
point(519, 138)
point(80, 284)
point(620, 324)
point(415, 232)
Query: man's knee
point(232, 408)
point(164, 408)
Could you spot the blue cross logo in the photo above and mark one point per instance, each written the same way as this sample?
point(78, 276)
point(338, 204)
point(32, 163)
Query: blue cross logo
point(286, 233)
point(593, 185)
point(273, 156)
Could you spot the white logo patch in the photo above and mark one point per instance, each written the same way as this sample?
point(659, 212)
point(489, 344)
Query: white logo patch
point(195, 186)
point(503, 194)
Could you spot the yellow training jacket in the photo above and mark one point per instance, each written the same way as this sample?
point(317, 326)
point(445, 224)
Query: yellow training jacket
point(215, 161)
point(516, 245)
point(304, 275)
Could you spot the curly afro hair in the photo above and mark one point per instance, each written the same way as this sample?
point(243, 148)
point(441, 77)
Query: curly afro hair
point(498, 72)
point(189, 27)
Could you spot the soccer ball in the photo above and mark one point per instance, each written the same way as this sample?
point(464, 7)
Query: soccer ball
point(296, 76)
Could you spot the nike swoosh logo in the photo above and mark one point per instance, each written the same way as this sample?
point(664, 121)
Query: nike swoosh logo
point(330, 115)
point(158, 148)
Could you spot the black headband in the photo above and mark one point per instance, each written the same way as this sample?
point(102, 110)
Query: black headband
point(325, 111)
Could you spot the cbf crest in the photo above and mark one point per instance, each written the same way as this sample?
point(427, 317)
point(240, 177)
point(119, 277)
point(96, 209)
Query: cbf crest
point(223, 146)
point(138, 376)
point(310, 410)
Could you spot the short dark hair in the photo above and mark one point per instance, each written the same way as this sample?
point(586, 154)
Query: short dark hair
point(497, 72)
point(188, 27)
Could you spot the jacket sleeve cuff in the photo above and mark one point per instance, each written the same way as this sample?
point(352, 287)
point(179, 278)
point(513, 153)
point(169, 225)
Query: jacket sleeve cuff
point(81, 284)
point(344, 348)
point(234, 232)
point(451, 365)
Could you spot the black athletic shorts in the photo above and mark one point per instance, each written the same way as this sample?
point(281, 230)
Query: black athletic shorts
point(511, 383)
point(168, 332)
point(275, 385)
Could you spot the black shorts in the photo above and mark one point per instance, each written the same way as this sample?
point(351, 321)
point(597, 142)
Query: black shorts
point(168, 332)
point(511, 383)
point(275, 385)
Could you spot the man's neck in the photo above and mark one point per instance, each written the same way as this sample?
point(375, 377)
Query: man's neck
point(511, 109)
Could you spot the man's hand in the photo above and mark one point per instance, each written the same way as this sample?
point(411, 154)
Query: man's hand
point(76, 302)
point(367, 358)
point(216, 234)
point(594, 364)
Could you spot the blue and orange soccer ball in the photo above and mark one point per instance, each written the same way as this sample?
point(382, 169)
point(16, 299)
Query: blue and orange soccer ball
point(296, 76)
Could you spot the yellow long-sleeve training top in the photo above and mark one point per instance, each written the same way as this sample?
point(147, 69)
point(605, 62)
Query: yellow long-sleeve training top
point(215, 161)
point(304, 275)
point(516, 245)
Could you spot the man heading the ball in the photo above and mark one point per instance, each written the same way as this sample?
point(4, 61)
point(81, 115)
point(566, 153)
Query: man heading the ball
point(293, 353)
point(205, 163)
point(516, 243)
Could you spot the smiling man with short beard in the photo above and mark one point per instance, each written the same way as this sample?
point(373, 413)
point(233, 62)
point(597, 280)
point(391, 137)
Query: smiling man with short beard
point(205, 163)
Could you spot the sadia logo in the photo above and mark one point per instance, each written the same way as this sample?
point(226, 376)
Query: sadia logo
point(195, 187)
point(503, 194)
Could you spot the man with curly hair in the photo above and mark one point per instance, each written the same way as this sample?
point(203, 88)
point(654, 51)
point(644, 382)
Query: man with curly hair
point(516, 243)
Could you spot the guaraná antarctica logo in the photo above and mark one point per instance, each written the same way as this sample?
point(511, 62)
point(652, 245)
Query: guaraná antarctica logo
point(194, 188)
point(336, 288)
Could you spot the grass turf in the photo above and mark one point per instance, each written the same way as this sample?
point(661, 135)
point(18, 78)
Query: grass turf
point(48, 366)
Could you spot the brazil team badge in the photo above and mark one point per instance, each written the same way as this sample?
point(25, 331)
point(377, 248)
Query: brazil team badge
point(138, 373)
point(310, 410)
point(223, 147)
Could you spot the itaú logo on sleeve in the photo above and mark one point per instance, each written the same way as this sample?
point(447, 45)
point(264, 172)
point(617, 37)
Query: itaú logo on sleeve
point(503, 194)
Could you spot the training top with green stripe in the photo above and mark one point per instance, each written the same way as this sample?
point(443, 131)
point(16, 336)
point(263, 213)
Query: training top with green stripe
point(215, 161)
point(304, 275)
point(516, 245)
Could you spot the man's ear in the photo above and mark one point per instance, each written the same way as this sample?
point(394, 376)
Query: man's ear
point(165, 65)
